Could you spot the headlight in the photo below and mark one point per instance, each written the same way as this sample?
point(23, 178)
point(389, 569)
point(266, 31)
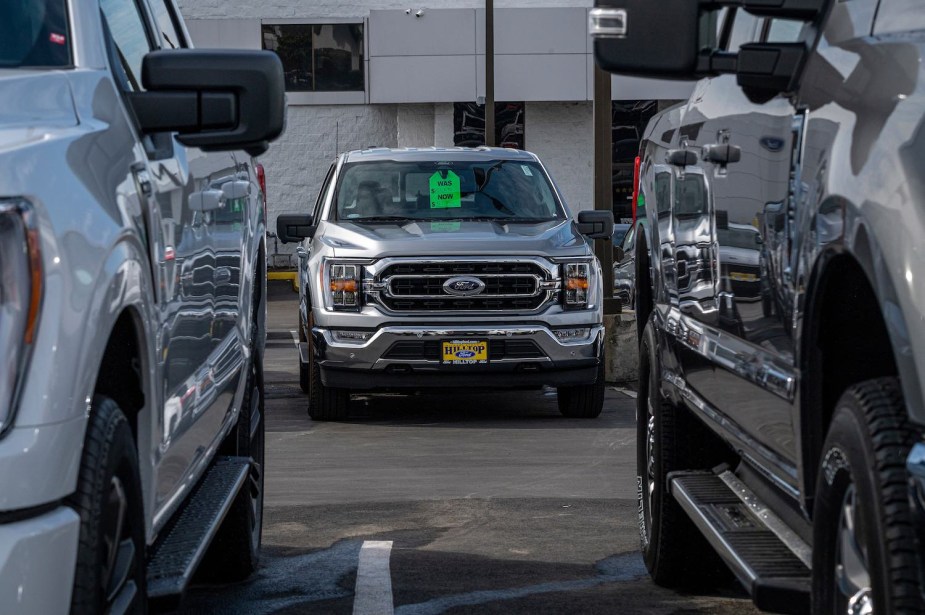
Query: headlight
point(576, 284)
point(343, 284)
point(20, 300)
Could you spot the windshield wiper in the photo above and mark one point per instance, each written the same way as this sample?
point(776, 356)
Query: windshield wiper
point(500, 219)
point(381, 219)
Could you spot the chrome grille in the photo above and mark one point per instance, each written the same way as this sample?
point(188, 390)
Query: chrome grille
point(420, 287)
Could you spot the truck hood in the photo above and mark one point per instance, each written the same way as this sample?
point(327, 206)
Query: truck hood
point(555, 238)
point(35, 104)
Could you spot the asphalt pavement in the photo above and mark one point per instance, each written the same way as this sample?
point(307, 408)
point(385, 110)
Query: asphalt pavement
point(446, 502)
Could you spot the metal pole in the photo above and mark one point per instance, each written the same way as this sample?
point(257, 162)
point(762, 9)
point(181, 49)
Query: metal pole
point(603, 180)
point(490, 73)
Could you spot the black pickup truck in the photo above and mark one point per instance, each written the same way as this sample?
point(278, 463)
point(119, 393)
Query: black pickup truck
point(779, 294)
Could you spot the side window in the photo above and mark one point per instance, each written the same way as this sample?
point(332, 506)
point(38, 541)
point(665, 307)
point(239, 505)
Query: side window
point(129, 36)
point(784, 31)
point(167, 25)
point(663, 193)
point(745, 29)
point(630, 240)
point(319, 203)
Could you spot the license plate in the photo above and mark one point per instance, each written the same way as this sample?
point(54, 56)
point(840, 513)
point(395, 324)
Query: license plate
point(743, 277)
point(465, 352)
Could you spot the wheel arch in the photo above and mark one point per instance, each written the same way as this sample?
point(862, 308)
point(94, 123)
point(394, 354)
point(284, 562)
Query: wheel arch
point(852, 330)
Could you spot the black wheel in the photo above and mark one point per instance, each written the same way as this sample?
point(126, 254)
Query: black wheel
point(585, 401)
point(324, 403)
point(235, 551)
point(864, 558)
point(668, 439)
point(110, 573)
point(304, 369)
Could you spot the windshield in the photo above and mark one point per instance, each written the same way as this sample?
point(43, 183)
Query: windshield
point(508, 190)
point(746, 238)
point(34, 33)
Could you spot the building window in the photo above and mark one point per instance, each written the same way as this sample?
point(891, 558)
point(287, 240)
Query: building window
point(318, 57)
point(469, 124)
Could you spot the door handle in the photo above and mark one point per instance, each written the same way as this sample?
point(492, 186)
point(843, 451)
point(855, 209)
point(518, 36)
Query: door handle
point(722, 153)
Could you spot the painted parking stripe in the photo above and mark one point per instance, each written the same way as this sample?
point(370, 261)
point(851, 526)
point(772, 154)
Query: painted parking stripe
point(626, 392)
point(295, 337)
point(373, 594)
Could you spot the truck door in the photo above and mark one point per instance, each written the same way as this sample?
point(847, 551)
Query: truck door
point(749, 152)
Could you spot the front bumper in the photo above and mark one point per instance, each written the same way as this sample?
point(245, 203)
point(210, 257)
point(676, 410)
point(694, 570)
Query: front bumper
point(37, 560)
point(538, 358)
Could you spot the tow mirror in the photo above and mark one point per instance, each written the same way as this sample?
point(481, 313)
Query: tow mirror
point(596, 224)
point(207, 200)
point(215, 99)
point(629, 38)
point(681, 157)
point(293, 228)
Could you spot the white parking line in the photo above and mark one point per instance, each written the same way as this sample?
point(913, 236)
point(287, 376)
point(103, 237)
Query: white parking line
point(295, 337)
point(373, 593)
point(626, 392)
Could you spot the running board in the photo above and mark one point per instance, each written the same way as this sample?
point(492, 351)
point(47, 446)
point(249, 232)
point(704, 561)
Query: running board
point(767, 557)
point(303, 352)
point(181, 546)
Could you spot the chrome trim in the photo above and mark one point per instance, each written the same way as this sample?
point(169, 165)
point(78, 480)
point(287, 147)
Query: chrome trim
point(731, 432)
point(387, 291)
point(748, 361)
point(373, 287)
point(770, 520)
point(607, 23)
point(427, 332)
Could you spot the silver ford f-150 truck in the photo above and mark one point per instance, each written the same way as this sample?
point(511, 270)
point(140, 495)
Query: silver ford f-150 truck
point(447, 268)
point(131, 304)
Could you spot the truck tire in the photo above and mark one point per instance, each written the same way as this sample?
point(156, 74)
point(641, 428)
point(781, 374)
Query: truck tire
point(864, 553)
point(235, 551)
point(675, 553)
point(110, 573)
point(304, 369)
point(324, 403)
point(585, 401)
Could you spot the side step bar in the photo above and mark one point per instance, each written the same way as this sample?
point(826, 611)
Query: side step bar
point(181, 546)
point(768, 558)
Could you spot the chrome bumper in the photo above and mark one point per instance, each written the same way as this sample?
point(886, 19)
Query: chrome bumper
point(561, 359)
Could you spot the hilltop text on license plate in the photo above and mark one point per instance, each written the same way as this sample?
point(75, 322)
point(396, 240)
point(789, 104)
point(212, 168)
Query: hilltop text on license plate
point(465, 352)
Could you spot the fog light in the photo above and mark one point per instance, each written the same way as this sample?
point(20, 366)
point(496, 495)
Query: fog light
point(572, 335)
point(352, 337)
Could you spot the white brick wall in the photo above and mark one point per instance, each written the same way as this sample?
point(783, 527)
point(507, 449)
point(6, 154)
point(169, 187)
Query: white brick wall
point(415, 125)
point(347, 9)
point(561, 135)
point(297, 163)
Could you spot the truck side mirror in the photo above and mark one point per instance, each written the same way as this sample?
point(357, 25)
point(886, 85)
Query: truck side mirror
point(215, 99)
point(293, 228)
point(596, 224)
point(629, 39)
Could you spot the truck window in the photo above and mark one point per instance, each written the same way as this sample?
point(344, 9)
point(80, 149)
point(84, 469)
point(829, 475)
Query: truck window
point(34, 33)
point(167, 24)
point(663, 193)
point(129, 35)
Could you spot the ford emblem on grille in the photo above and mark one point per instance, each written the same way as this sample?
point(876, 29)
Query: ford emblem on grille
point(464, 286)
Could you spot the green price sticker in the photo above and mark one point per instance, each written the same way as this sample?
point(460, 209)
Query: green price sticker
point(444, 227)
point(444, 190)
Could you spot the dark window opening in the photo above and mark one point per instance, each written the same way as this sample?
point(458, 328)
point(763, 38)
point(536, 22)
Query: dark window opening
point(318, 57)
point(469, 124)
point(34, 33)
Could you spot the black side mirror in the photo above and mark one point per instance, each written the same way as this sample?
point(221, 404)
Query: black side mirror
point(629, 38)
point(215, 99)
point(293, 228)
point(596, 224)
point(681, 157)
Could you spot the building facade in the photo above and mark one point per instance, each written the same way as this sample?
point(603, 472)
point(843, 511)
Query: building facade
point(366, 73)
